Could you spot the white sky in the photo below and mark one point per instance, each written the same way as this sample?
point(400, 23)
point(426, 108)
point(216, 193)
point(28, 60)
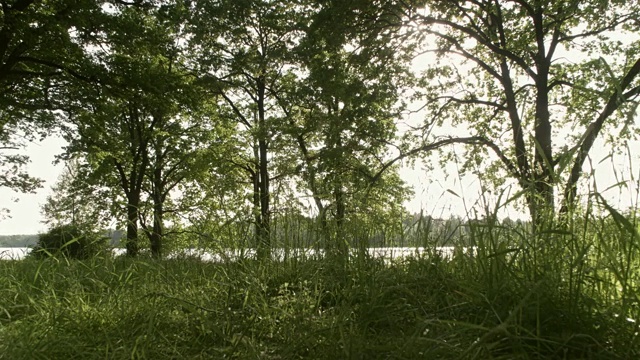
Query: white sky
point(25, 208)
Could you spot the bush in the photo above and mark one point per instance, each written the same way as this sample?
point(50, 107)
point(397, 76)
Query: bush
point(69, 241)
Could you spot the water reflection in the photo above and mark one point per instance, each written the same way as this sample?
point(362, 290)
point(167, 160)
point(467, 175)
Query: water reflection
point(225, 255)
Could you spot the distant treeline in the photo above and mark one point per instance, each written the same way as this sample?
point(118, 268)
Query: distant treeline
point(18, 240)
point(414, 230)
point(32, 239)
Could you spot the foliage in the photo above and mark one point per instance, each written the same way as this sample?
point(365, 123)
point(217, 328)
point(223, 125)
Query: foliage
point(144, 127)
point(222, 111)
point(69, 241)
point(548, 74)
point(244, 56)
point(75, 201)
point(342, 120)
point(38, 57)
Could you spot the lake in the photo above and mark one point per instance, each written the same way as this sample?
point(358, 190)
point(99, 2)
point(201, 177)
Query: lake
point(223, 255)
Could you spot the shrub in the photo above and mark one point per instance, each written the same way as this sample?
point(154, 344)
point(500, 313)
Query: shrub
point(69, 241)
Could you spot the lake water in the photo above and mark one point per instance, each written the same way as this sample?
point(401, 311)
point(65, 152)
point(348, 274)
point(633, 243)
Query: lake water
point(13, 253)
point(280, 254)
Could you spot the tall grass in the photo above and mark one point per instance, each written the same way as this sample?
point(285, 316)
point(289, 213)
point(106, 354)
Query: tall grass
point(569, 292)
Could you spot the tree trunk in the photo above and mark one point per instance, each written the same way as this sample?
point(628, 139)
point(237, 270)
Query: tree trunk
point(265, 197)
point(616, 99)
point(341, 245)
point(310, 178)
point(132, 227)
point(543, 196)
point(157, 194)
point(157, 234)
point(131, 181)
point(255, 179)
point(263, 226)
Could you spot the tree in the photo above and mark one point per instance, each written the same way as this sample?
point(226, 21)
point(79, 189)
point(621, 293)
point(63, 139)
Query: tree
point(135, 92)
point(146, 126)
point(342, 110)
point(186, 149)
point(74, 201)
point(246, 50)
point(512, 76)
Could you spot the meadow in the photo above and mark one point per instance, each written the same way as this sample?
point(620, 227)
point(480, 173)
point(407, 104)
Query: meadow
point(570, 292)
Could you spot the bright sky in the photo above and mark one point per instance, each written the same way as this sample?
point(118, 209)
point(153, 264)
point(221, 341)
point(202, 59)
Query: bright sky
point(25, 208)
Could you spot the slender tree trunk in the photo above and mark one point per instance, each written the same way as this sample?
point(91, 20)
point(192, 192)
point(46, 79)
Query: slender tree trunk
point(341, 244)
point(525, 175)
point(619, 94)
point(264, 231)
point(255, 178)
point(131, 181)
point(543, 197)
point(132, 226)
point(157, 234)
point(310, 178)
point(324, 225)
point(131, 186)
point(265, 197)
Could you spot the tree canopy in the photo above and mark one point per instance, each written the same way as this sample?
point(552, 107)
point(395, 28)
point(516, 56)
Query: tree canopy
point(180, 113)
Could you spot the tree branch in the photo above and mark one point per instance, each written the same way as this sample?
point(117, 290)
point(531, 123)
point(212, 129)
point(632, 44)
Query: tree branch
point(480, 39)
point(57, 66)
point(472, 101)
point(616, 99)
point(473, 140)
point(237, 111)
point(464, 53)
point(611, 26)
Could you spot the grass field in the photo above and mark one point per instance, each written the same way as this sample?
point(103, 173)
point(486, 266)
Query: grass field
point(563, 294)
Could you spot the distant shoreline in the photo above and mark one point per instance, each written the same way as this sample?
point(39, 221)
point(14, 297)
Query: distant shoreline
point(223, 255)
